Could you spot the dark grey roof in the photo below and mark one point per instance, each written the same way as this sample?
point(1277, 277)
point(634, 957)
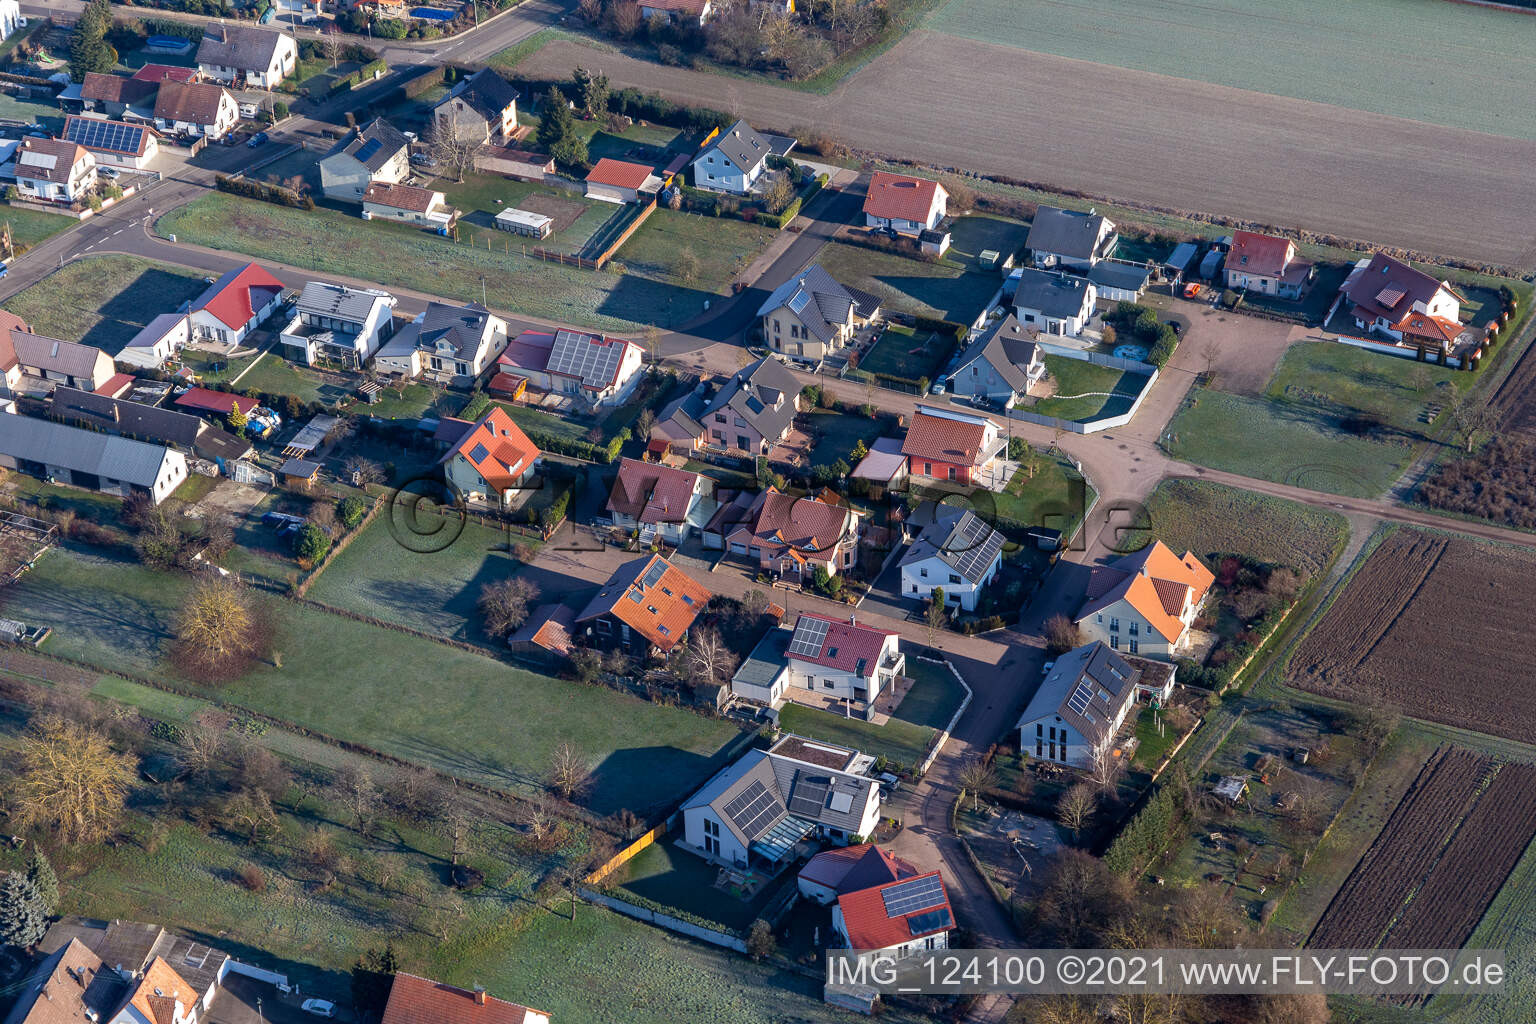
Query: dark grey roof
point(119, 416)
point(85, 451)
point(214, 443)
point(300, 467)
point(763, 394)
point(1087, 687)
point(1008, 349)
point(741, 145)
point(1053, 293)
point(1064, 232)
point(486, 92)
point(779, 775)
point(338, 301)
point(238, 46)
point(1183, 255)
point(133, 944)
point(460, 326)
point(688, 410)
point(813, 286)
point(767, 659)
point(376, 145)
point(44, 353)
point(961, 540)
point(1129, 276)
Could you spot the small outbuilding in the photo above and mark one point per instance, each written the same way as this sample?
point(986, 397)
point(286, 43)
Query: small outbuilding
point(300, 473)
point(525, 222)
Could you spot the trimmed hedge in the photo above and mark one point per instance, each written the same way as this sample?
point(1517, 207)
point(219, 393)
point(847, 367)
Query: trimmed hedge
point(266, 193)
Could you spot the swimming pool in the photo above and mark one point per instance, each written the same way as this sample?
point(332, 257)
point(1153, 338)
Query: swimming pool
point(433, 14)
point(1138, 352)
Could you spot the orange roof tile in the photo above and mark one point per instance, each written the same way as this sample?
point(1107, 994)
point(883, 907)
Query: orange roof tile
point(944, 440)
point(414, 1000)
point(498, 449)
point(1155, 582)
point(870, 927)
point(618, 173)
point(159, 991)
point(653, 597)
point(900, 197)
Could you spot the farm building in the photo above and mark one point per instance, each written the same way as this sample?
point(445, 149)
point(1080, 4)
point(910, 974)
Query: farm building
point(89, 459)
point(525, 222)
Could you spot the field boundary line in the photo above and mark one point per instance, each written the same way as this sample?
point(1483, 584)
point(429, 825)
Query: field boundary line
point(1407, 602)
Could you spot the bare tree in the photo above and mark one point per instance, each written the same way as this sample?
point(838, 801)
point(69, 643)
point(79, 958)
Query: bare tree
point(709, 659)
point(331, 40)
point(363, 471)
point(355, 790)
point(1062, 634)
point(504, 604)
point(652, 341)
point(218, 632)
point(202, 750)
point(686, 266)
point(70, 781)
point(454, 149)
point(568, 772)
point(1473, 421)
point(1104, 762)
point(251, 812)
point(1075, 807)
point(936, 615)
point(976, 775)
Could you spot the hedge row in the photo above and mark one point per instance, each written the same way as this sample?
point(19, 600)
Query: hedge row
point(642, 106)
point(266, 193)
point(778, 221)
point(361, 75)
point(1147, 834)
point(580, 449)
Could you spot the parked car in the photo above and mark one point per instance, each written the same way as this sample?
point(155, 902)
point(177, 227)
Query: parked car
point(939, 386)
point(109, 172)
point(319, 1007)
point(257, 139)
point(423, 160)
point(1177, 330)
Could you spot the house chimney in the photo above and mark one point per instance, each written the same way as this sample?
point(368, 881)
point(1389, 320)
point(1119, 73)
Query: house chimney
point(479, 996)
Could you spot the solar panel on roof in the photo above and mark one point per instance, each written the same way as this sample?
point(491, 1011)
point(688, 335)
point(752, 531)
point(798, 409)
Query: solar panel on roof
point(912, 896)
point(798, 300)
point(634, 595)
point(1080, 699)
point(809, 796)
point(582, 355)
point(972, 545)
point(754, 811)
point(478, 453)
point(370, 147)
point(108, 136)
point(653, 575)
point(932, 921)
point(810, 634)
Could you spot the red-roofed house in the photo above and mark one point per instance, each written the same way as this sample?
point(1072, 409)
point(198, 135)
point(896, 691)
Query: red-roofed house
point(843, 659)
point(944, 444)
point(848, 869)
point(414, 1000)
point(655, 499)
point(648, 603)
point(786, 536)
point(1266, 264)
point(896, 919)
point(1145, 603)
point(904, 204)
point(618, 181)
point(1387, 296)
point(198, 400)
point(235, 304)
point(408, 204)
point(492, 461)
point(10, 365)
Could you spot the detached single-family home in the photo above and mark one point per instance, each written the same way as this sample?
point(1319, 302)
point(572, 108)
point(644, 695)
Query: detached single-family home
point(694, 12)
point(482, 108)
point(598, 371)
point(1266, 264)
point(338, 324)
point(843, 660)
point(1051, 302)
point(70, 986)
point(114, 94)
point(618, 181)
point(844, 869)
point(246, 57)
point(1387, 296)
point(657, 500)
point(903, 204)
point(762, 806)
point(416, 1000)
point(647, 604)
point(895, 919)
point(89, 458)
point(59, 362)
point(811, 315)
point(196, 108)
point(377, 153)
point(451, 344)
point(408, 204)
point(493, 462)
point(114, 143)
point(1145, 603)
point(956, 552)
point(1004, 368)
point(946, 444)
point(1068, 238)
point(786, 536)
point(235, 305)
point(750, 413)
point(10, 366)
point(732, 161)
point(1080, 706)
point(54, 170)
point(160, 340)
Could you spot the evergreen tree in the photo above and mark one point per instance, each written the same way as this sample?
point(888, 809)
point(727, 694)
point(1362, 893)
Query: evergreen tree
point(557, 123)
point(88, 46)
point(41, 874)
point(23, 920)
point(372, 977)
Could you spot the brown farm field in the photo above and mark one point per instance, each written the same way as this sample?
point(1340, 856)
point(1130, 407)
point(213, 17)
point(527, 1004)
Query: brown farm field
point(1434, 627)
point(1286, 162)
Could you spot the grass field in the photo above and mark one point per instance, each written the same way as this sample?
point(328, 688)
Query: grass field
point(904, 739)
point(430, 705)
point(29, 227)
point(477, 197)
point(105, 300)
point(943, 289)
point(724, 247)
point(674, 877)
point(1056, 496)
point(1086, 391)
point(536, 419)
point(1331, 380)
point(1445, 50)
point(396, 254)
point(902, 352)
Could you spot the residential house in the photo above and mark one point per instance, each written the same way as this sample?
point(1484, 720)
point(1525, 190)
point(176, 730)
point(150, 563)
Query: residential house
point(70, 986)
point(408, 204)
point(1116, 281)
point(338, 324)
point(493, 462)
point(904, 205)
point(60, 362)
point(1070, 239)
point(694, 12)
point(678, 427)
point(753, 411)
point(883, 466)
point(54, 170)
point(732, 161)
point(599, 371)
point(235, 305)
point(189, 971)
point(10, 18)
point(786, 536)
point(196, 108)
point(843, 660)
point(1003, 369)
point(946, 444)
point(158, 73)
point(113, 95)
point(1388, 297)
point(618, 181)
point(246, 57)
point(1266, 264)
point(378, 152)
point(416, 1000)
point(1145, 603)
point(811, 315)
point(114, 143)
point(1082, 703)
point(763, 676)
point(481, 108)
point(956, 552)
point(89, 459)
point(450, 344)
point(10, 366)
point(647, 605)
point(1054, 303)
point(522, 164)
point(763, 805)
point(895, 919)
point(660, 501)
point(844, 869)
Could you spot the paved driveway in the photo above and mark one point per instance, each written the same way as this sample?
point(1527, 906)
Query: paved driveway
point(237, 1003)
point(884, 595)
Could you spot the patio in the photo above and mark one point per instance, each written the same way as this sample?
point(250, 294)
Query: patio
point(885, 705)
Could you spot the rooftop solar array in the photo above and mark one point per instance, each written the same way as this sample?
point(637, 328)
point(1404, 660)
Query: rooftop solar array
point(810, 634)
point(581, 355)
point(932, 921)
point(909, 897)
point(653, 574)
point(810, 795)
point(754, 811)
point(798, 300)
point(369, 148)
point(1081, 698)
point(972, 545)
point(109, 136)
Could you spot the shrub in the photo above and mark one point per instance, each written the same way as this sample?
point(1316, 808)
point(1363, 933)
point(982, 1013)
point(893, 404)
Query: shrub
point(351, 511)
point(253, 878)
point(266, 193)
point(310, 544)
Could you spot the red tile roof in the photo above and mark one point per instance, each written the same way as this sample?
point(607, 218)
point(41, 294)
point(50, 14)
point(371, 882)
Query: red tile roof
point(900, 197)
point(805, 526)
point(1389, 288)
point(618, 173)
point(661, 611)
point(942, 439)
point(9, 322)
point(867, 925)
point(846, 646)
point(235, 298)
point(498, 449)
point(1260, 255)
point(206, 400)
point(114, 385)
point(401, 197)
point(1155, 582)
point(115, 88)
point(1436, 328)
point(414, 1000)
point(165, 72)
point(159, 991)
point(652, 493)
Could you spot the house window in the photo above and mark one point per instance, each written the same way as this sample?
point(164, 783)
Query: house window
point(712, 846)
point(719, 417)
point(1133, 645)
point(1134, 627)
point(923, 573)
point(1114, 624)
point(711, 828)
point(1039, 729)
point(952, 472)
point(1039, 749)
point(826, 684)
point(1114, 642)
point(603, 628)
point(927, 469)
point(1099, 617)
point(953, 578)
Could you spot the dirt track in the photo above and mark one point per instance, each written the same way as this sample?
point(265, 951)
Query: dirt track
point(1146, 138)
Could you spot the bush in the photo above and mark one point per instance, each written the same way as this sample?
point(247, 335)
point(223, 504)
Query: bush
point(473, 409)
point(266, 193)
point(310, 544)
point(351, 511)
point(253, 878)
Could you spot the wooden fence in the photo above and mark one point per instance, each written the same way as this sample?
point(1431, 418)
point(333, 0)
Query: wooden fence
point(628, 853)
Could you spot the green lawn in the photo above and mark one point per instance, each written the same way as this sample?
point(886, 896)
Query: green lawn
point(944, 289)
point(1151, 747)
point(281, 377)
point(905, 738)
point(415, 401)
point(1055, 496)
point(1332, 381)
point(480, 197)
point(399, 255)
point(722, 246)
point(674, 877)
point(1086, 391)
point(837, 432)
point(903, 352)
point(104, 300)
point(29, 227)
point(438, 705)
point(536, 419)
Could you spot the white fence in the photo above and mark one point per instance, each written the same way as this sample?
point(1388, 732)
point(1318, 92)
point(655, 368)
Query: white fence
point(1394, 350)
point(927, 762)
point(236, 967)
point(666, 921)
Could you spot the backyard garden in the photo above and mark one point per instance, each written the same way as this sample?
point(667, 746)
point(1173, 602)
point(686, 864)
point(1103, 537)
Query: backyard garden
point(902, 741)
point(1084, 391)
